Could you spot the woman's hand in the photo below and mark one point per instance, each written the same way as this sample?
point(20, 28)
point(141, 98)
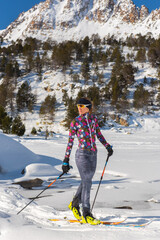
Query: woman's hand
point(109, 149)
point(65, 165)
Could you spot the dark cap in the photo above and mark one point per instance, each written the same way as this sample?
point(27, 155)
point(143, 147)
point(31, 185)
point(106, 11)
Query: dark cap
point(85, 102)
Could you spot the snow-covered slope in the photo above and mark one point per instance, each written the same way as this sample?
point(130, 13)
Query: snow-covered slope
point(56, 83)
point(74, 19)
point(13, 155)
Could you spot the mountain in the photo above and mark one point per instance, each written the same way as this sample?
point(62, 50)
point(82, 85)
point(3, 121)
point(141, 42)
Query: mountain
point(74, 19)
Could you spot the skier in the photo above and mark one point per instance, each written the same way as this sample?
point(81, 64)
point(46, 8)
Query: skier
point(86, 127)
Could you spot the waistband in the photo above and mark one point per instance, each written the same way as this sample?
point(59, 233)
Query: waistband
point(89, 151)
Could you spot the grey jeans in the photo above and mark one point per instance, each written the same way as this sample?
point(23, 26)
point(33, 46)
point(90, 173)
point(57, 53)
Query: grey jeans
point(86, 163)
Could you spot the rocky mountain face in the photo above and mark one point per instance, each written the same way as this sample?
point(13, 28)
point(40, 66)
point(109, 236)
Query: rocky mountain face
point(74, 19)
point(143, 13)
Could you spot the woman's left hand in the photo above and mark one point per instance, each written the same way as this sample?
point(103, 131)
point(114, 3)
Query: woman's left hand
point(110, 150)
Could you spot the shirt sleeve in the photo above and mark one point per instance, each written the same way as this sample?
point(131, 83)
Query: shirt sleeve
point(99, 134)
point(72, 132)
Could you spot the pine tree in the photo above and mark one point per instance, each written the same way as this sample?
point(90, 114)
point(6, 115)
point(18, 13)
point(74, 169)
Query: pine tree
point(141, 97)
point(79, 52)
point(18, 47)
point(46, 61)
point(34, 131)
point(71, 113)
point(38, 65)
point(107, 92)
point(158, 96)
point(65, 97)
point(75, 78)
point(47, 46)
point(100, 78)
point(17, 71)
point(11, 95)
point(48, 107)
point(27, 49)
point(85, 69)
point(93, 94)
point(141, 55)
point(61, 56)
point(117, 56)
point(29, 62)
point(5, 121)
point(3, 63)
point(3, 95)
point(122, 77)
point(116, 93)
point(158, 74)
point(9, 70)
point(154, 53)
point(85, 44)
point(128, 74)
point(104, 60)
point(25, 98)
point(152, 56)
point(18, 127)
point(81, 94)
point(6, 124)
point(3, 114)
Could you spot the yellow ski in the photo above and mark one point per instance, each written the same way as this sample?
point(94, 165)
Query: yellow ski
point(79, 221)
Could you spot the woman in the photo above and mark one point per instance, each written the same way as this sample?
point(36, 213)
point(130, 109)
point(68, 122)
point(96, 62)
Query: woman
point(86, 127)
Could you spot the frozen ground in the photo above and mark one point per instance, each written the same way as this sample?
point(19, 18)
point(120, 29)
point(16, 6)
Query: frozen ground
point(131, 180)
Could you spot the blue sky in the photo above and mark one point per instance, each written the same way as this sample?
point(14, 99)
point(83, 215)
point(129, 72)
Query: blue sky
point(10, 9)
point(151, 4)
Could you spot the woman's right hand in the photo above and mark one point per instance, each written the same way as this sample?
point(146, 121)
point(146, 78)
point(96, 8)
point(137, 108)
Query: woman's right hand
point(65, 165)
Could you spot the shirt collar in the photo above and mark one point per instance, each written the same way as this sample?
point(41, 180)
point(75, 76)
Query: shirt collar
point(85, 115)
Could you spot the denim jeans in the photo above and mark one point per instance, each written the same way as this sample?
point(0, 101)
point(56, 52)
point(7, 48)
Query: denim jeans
point(86, 163)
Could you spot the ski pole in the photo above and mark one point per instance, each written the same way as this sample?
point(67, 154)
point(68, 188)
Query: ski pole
point(41, 192)
point(100, 181)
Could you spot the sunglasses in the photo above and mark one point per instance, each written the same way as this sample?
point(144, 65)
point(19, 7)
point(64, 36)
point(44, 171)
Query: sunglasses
point(83, 105)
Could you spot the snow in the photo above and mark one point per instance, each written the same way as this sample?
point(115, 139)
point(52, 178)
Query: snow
point(11, 154)
point(1, 31)
point(131, 180)
point(132, 174)
point(150, 125)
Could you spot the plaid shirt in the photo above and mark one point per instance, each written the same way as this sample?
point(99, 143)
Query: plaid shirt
point(86, 128)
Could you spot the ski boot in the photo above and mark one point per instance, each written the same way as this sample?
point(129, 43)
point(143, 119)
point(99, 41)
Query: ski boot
point(88, 218)
point(74, 207)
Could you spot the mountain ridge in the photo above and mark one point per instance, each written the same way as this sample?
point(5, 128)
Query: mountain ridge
point(74, 19)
